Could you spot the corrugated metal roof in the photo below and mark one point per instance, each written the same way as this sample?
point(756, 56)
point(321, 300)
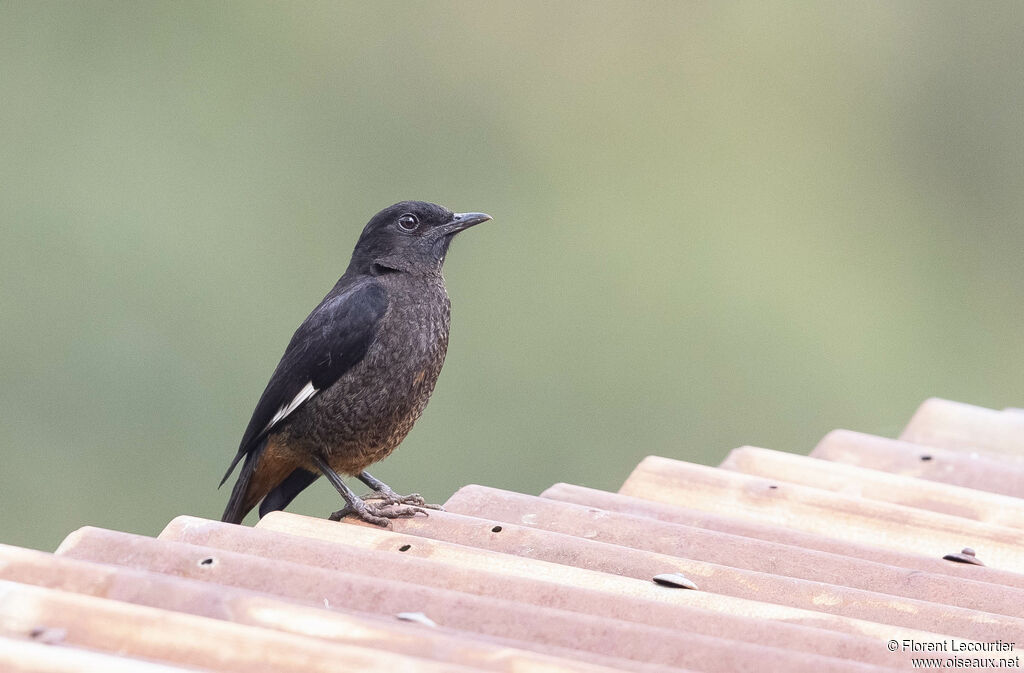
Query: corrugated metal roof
point(800, 563)
point(971, 469)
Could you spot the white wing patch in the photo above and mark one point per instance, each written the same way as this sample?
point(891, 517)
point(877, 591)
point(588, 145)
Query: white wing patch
point(307, 392)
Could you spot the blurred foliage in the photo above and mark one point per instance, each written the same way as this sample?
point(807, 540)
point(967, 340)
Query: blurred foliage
point(716, 224)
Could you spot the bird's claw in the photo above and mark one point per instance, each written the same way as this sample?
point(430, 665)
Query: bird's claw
point(391, 498)
point(378, 514)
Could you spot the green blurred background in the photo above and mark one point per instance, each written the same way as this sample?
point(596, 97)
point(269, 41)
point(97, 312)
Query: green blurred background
point(715, 224)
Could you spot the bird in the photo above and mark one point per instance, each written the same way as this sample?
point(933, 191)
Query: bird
point(357, 373)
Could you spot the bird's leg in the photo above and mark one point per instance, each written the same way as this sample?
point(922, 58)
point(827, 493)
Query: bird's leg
point(378, 515)
point(383, 492)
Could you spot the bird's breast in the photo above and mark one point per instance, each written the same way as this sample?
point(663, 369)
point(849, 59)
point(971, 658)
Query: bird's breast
point(373, 406)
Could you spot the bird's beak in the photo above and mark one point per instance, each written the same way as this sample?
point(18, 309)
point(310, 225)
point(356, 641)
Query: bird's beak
point(464, 221)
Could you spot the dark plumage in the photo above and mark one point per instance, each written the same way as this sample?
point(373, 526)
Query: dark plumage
point(358, 372)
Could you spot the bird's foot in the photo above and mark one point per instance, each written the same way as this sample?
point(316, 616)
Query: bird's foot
point(389, 497)
point(382, 491)
point(377, 514)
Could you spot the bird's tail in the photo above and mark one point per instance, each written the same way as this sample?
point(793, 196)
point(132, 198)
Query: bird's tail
point(236, 508)
point(269, 471)
point(285, 492)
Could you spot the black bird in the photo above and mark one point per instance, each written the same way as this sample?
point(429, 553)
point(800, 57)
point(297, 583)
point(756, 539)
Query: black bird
point(357, 373)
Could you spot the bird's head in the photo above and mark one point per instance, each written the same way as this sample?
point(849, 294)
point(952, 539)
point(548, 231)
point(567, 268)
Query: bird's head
point(411, 236)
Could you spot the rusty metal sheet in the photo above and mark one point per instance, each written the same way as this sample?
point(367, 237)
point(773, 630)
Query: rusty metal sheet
point(790, 563)
point(460, 567)
point(256, 609)
point(27, 656)
point(182, 639)
point(969, 469)
point(712, 520)
point(852, 480)
point(954, 425)
point(708, 577)
point(381, 590)
point(825, 513)
point(527, 622)
point(506, 507)
point(609, 590)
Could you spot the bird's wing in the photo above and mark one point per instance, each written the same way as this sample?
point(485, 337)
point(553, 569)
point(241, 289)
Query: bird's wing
point(329, 342)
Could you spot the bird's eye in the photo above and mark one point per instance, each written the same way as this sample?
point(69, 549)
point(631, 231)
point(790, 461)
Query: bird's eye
point(408, 222)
